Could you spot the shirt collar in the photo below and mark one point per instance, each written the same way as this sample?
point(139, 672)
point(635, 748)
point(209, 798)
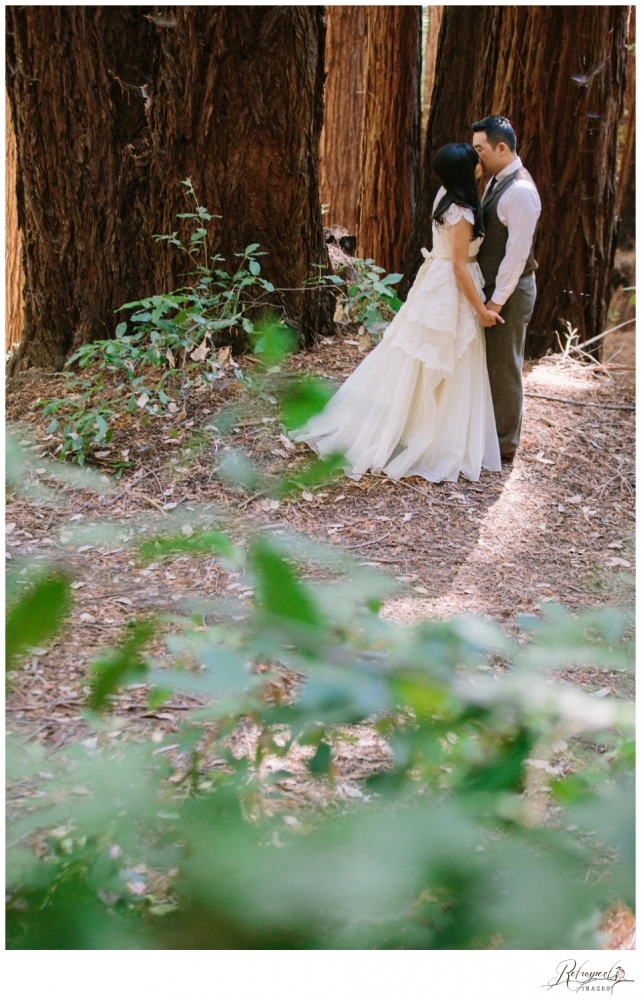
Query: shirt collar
point(510, 169)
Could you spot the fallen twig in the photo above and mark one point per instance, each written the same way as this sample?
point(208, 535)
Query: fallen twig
point(362, 545)
point(576, 402)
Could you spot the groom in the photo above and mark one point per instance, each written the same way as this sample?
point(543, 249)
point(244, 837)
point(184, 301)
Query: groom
point(511, 209)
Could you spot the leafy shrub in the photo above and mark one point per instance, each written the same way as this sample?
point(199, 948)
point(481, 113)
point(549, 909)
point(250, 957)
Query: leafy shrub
point(439, 849)
point(370, 299)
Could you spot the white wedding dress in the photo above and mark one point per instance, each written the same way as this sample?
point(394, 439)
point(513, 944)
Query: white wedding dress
point(420, 403)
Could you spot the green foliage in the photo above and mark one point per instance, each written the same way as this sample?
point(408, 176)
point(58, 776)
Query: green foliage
point(301, 399)
point(169, 337)
point(278, 591)
point(37, 614)
point(124, 665)
point(82, 419)
point(200, 543)
point(438, 849)
point(443, 855)
point(371, 300)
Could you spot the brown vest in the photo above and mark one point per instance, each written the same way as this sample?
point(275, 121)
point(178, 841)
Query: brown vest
point(492, 249)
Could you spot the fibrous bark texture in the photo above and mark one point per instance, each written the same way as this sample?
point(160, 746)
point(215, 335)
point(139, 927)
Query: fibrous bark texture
point(626, 186)
point(340, 149)
point(558, 73)
point(75, 77)
point(238, 108)
point(391, 133)
point(434, 18)
point(113, 108)
point(14, 275)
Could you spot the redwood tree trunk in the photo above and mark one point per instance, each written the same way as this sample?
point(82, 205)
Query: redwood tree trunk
point(14, 275)
point(114, 107)
point(559, 74)
point(340, 148)
point(435, 16)
point(74, 78)
point(626, 186)
point(391, 133)
point(238, 108)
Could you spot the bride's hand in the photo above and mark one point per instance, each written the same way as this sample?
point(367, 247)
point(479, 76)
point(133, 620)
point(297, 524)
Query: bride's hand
point(487, 317)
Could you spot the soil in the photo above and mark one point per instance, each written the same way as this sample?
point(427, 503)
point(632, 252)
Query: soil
point(557, 524)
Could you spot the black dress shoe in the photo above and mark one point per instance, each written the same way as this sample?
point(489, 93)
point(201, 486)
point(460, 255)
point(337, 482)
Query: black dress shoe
point(508, 456)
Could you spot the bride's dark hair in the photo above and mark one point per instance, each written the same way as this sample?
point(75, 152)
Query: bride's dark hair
point(454, 166)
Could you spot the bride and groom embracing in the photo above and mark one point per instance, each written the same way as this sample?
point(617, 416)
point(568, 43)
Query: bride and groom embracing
point(441, 395)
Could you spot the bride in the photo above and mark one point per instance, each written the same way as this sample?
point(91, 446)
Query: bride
point(420, 404)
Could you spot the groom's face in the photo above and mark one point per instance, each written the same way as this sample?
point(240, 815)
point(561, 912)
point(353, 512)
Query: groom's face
point(492, 159)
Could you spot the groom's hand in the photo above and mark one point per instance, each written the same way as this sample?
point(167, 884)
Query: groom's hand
point(493, 307)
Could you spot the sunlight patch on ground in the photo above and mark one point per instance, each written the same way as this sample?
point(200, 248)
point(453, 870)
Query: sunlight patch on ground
point(506, 535)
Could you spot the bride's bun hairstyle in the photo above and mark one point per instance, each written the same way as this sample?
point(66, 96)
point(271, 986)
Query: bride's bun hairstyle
point(454, 165)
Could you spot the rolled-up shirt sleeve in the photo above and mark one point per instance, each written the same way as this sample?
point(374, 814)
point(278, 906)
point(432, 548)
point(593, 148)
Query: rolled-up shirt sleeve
point(518, 209)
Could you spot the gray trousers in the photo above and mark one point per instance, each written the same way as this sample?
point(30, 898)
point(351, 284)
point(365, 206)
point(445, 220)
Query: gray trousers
point(505, 349)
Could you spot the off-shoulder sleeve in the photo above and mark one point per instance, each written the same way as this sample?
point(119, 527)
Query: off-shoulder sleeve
point(455, 213)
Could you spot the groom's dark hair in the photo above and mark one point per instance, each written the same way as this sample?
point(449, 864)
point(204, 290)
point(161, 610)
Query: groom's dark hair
point(497, 129)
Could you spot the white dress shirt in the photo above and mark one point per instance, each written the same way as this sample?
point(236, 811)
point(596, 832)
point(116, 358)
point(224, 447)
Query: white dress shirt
point(518, 208)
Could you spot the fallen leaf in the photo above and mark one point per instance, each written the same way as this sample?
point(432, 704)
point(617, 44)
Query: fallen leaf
point(407, 517)
point(618, 562)
point(10, 527)
point(420, 590)
point(170, 359)
point(575, 499)
point(187, 530)
point(224, 356)
point(123, 600)
point(86, 617)
point(307, 496)
point(338, 312)
point(201, 352)
point(543, 461)
point(602, 693)
point(615, 545)
point(365, 342)
point(142, 400)
point(78, 584)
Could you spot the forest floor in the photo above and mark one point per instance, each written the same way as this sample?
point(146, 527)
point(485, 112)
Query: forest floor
point(556, 525)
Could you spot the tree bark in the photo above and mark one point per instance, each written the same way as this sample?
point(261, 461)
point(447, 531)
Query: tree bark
point(114, 107)
point(75, 78)
point(14, 275)
point(340, 148)
point(558, 74)
point(238, 108)
point(391, 133)
point(435, 16)
point(626, 186)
